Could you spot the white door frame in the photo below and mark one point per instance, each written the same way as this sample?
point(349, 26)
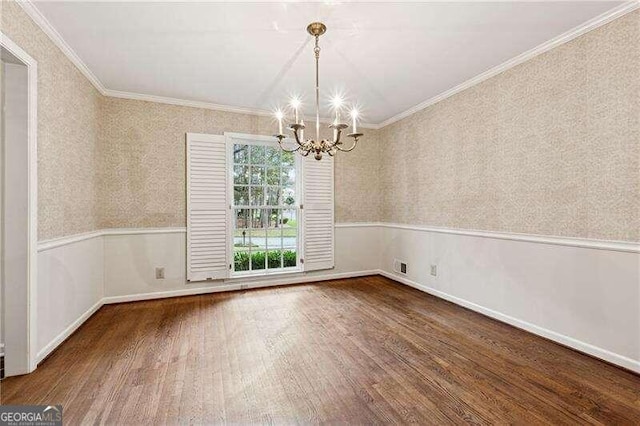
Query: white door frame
point(32, 184)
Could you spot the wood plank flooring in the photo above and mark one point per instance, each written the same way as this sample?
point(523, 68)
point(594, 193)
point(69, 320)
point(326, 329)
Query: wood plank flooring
point(362, 350)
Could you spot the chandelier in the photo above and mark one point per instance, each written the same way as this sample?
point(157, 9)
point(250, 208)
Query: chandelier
point(318, 146)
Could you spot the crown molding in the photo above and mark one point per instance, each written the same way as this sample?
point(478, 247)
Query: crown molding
point(185, 102)
point(581, 29)
point(44, 24)
point(205, 105)
point(54, 35)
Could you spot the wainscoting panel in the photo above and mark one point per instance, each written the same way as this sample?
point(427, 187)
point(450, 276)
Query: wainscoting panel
point(585, 298)
point(70, 288)
point(581, 293)
point(131, 260)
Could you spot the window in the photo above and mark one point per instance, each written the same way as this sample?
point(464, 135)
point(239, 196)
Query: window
point(264, 210)
point(244, 208)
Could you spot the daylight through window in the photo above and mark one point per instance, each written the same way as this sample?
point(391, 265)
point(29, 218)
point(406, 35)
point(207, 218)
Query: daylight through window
point(265, 208)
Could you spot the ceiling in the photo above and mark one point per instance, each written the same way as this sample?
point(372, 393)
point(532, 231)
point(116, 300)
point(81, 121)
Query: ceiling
point(388, 57)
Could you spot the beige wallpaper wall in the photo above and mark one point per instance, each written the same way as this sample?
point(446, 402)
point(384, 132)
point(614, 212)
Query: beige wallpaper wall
point(135, 176)
point(68, 116)
point(549, 147)
point(142, 174)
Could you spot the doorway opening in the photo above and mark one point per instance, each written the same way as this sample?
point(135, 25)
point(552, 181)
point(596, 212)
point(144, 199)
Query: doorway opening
point(18, 232)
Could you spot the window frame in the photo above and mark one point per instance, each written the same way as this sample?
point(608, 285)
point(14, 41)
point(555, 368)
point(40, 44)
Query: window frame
point(231, 139)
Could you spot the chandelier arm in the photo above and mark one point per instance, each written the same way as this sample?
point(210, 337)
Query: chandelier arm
point(288, 150)
point(280, 138)
point(295, 128)
point(355, 142)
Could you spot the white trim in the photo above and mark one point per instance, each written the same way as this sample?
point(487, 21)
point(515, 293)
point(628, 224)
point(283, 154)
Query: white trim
point(581, 29)
point(233, 285)
point(52, 345)
point(41, 21)
point(205, 105)
point(44, 24)
point(32, 184)
point(229, 285)
point(135, 231)
point(251, 282)
point(185, 103)
point(63, 241)
point(238, 284)
point(357, 224)
point(249, 139)
point(624, 246)
point(578, 345)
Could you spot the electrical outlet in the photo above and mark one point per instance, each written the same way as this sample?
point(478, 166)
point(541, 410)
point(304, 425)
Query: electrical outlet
point(159, 273)
point(403, 268)
point(434, 270)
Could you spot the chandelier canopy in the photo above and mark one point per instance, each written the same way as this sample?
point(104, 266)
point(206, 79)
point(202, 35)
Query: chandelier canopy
point(318, 146)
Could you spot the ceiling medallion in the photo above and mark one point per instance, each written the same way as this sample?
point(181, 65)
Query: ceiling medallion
point(318, 146)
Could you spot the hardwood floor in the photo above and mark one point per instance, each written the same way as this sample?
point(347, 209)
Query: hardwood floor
point(363, 350)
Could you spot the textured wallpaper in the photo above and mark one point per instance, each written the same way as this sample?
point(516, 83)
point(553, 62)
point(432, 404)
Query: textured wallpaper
point(68, 117)
point(142, 173)
point(549, 147)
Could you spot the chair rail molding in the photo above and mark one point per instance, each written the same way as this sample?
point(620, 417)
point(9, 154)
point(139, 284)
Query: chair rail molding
point(624, 246)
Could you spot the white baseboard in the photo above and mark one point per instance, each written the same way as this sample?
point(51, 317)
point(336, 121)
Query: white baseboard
point(578, 345)
point(51, 346)
point(236, 285)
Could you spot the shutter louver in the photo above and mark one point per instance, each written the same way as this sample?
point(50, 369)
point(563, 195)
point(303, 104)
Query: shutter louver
point(206, 207)
point(318, 213)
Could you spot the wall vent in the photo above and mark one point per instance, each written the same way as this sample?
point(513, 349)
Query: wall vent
point(399, 267)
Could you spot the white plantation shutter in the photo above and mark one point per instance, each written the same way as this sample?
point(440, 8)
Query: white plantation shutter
point(207, 207)
point(318, 213)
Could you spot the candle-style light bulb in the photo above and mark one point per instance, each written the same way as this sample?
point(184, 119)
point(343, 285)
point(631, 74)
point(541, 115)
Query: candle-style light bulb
point(354, 117)
point(279, 116)
point(295, 104)
point(337, 104)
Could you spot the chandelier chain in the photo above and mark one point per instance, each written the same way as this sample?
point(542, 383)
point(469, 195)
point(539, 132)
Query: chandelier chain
point(316, 50)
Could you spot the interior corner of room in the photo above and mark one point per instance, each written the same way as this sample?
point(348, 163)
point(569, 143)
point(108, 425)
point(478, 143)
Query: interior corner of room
point(512, 195)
